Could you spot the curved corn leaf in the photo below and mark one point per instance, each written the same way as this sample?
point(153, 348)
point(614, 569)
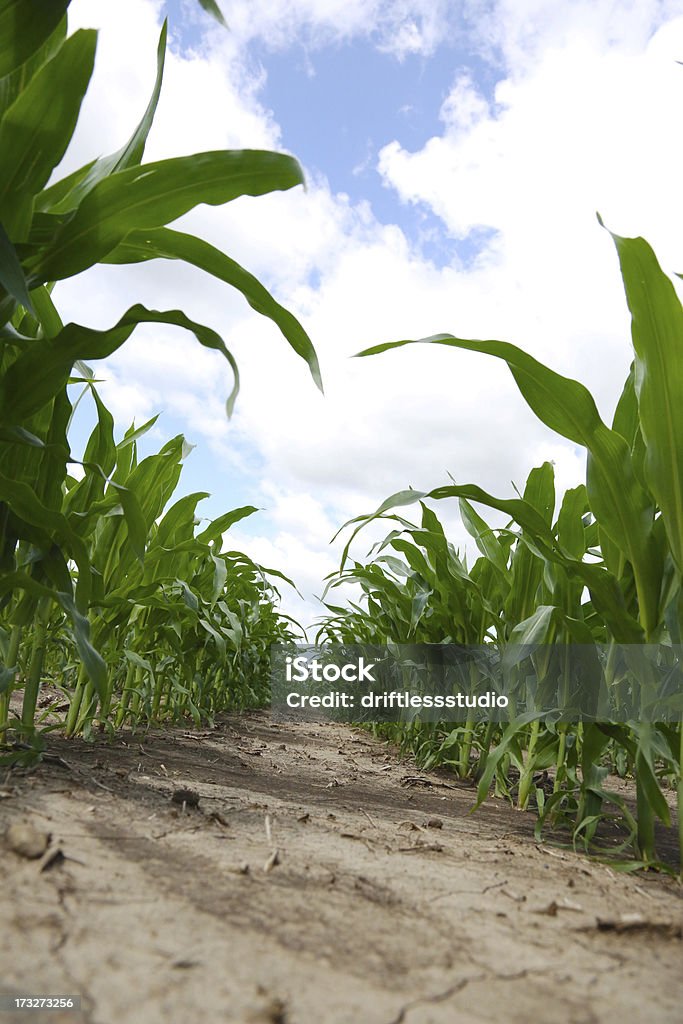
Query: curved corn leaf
point(48, 200)
point(153, 194)
point(178, 523)
point(484, 537)
point(215, 530)
point(47, 364)
point(518, 509)
point(163, 243)
point(63, 197)
point(623, 509)
point(93, 661)
point(539, 538)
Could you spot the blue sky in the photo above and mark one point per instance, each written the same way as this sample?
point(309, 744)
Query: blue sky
point(338, 102)
point(454, 170)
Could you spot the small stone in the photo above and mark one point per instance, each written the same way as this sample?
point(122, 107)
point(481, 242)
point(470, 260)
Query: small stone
point(26, 840)
point(239, 869)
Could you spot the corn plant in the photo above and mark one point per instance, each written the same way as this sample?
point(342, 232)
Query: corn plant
point(66, 546)
point(620, 537)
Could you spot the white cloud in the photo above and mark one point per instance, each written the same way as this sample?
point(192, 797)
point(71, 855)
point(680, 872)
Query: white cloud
point(400, 27)
point(587, 127)
point(584, 119)
point(208, 100)
point(522, 31)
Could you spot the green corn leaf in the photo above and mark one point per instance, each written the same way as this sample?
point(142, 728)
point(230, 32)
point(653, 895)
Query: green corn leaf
point(135, 520)
point(47, 364)
point(154, 194)
point(485, 538)
point(101, 448)
point(526, 569)
point(220, 640)
point(65, 196)
point(189, 599)
point(47, 201)
point(94, 663)
point(657, 332)
point(51, 524)
point(54, 566)
point(138, 661)
point(260, 570)
point(220, 577)
point(620, 505)
point(626, 420)
point(7, 678)
point(20, 581)
point(508, 739)
point(11, 274)
point(163, 243)
point(46, 312)
point(415, 558)
point(24, 27)
point(212, 8)
point(178, 523)
point(570, 529)
point(539, 628)
point(521, 511)
point(395, 565)
point(646, 776)
point(418, 605)
point(539, 490)
point(14, 83)
point(37, 128)
point(155, 478)
point(214, 532)
point(135, 433)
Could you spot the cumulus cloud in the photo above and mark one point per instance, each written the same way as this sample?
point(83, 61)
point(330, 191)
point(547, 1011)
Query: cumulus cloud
point(400, 27)
point(586, 127)
point(519, 32)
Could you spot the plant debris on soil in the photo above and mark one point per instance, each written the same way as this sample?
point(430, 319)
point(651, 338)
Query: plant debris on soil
point(178, 877)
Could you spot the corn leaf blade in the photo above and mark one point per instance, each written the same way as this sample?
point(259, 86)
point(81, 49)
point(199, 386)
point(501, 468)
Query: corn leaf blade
point(25, 27)
point(657, 332)
point(150, 196)
point(163, 243)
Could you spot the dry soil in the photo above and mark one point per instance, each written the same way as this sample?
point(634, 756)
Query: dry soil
point(319, 879)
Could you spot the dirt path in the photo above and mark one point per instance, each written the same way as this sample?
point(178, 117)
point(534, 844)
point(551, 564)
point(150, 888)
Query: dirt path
point(319, 881)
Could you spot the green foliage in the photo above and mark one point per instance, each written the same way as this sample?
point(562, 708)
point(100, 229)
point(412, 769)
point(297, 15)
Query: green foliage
point(620, 538)
point(102, 589)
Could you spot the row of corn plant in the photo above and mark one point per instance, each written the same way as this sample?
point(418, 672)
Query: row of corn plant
point(118, 598)
point(606, 571)
point(183, 631)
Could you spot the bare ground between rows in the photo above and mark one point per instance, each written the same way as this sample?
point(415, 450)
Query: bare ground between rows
point(319, 879)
